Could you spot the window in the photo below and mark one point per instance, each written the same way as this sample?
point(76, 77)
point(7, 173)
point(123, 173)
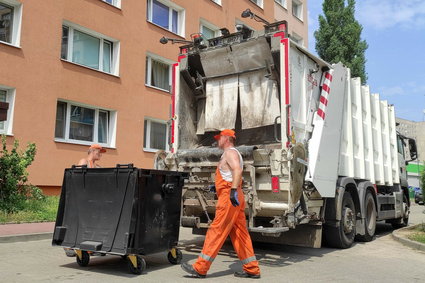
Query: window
point(297, 9)
point(298, 39)
point(158, 72)
point(209, 30)
point(166, 14)
point(155, 135)
point(258, 2)
point(7, 95)
point(10, 21)
point(89, 49)
point(84, 124)
point(116, 3)
point(281, 3)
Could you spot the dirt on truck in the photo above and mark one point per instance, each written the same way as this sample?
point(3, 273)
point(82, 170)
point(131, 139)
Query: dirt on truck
point(322, 157)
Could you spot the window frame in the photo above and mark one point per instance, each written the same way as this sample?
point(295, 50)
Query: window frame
point(148, 75)
point(300, 8)
point(147, 133)
point(297, 39)
point(111, 129)
point(115, 3)
point(10, 98)
point(218, 2)
point(16, 22)
point(115, 47)
point(214, 28)
point(171, 6)
point(259, 3)
point(284, 4)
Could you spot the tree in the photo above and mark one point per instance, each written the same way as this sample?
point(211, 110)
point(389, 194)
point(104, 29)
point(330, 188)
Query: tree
point(338, 38)
point(14, 189)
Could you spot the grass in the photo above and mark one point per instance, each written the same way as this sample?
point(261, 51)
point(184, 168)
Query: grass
point(34, 211)
point(419, 234)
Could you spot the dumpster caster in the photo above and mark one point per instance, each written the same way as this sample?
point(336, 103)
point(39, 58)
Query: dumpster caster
point(175, 256)
point(136, 264)
point(83, 258)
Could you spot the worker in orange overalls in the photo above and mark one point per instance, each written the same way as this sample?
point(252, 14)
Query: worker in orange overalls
point(229, 217)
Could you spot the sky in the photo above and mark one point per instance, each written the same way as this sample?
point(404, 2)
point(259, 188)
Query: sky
point(395, 33)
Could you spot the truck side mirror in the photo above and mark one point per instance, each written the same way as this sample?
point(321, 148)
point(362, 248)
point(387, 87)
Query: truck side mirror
point(412, 149)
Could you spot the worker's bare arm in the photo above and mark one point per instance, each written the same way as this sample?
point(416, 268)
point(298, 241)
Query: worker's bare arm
point(82, 162)
point(232, 159)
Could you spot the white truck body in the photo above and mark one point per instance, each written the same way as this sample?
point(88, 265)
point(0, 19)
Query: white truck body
point(321, 153)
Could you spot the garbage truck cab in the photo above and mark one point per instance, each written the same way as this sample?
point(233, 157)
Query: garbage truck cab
point(321, 153)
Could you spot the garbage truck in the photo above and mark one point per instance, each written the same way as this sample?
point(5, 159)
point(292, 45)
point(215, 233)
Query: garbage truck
point(322, 157)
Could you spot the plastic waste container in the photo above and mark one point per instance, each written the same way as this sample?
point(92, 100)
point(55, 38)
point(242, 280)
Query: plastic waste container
point(122, 211)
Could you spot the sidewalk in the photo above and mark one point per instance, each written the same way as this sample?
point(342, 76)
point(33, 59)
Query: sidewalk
point(26, 232)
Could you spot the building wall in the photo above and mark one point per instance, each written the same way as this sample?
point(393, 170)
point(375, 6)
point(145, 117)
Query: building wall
point(40, 77)
point(415, 130)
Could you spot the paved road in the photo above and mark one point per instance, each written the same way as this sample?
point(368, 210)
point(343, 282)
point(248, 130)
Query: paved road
point(383, 260)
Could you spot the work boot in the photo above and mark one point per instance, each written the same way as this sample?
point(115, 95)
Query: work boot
point(189, 269)
point(244, 274)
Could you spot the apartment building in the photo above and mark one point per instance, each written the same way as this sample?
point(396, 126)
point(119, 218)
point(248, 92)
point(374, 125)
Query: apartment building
point(78, 72)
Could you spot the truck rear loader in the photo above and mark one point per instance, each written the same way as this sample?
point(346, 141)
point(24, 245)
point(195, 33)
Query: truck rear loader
point(321, 152)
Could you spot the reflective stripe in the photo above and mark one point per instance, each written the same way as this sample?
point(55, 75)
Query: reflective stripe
point(248, 260)
point(206, 257)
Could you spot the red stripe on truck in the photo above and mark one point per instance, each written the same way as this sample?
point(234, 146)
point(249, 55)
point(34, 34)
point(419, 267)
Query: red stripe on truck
point(326, 88)
point(328, 76)
point(321, 113)
point(324, 100)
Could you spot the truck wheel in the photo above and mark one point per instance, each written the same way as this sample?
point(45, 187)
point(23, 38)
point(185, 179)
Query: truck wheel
point(370, 219)
point(342, 237)
point(404, 220)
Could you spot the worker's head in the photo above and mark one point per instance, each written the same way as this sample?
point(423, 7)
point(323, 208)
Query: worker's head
point(95, 151)
point(225, 138)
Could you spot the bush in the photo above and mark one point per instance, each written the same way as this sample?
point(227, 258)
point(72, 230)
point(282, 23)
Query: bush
point(422, 182)
point(14, 190)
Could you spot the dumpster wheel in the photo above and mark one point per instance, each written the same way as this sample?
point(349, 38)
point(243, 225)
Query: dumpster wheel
point(136, 264)
point(175, 256)
point(83, 258)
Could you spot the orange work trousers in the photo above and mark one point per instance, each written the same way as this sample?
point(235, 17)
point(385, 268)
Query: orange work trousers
point(228, 220)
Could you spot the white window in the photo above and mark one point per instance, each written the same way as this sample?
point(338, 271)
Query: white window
point(158, 72)
point(297, 9)
point(7, 95)
point(77, 123)
point(166, 14)
point(298, 39)
point(258, 2)
point(10, 22)
point(155, 135)
point(282, 3)
point(89, 48)
point(217, 2)
point(116, 3)
point(209, 30)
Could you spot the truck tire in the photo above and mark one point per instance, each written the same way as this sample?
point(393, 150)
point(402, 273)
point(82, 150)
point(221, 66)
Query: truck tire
point(402, 222)
point(370, 218)
point(342, 237)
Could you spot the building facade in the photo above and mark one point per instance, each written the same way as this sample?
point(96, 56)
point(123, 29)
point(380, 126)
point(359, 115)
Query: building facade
point(93, 71)
point(415, 130)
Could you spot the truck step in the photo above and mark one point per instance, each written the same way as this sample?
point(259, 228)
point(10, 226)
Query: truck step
point(269, 230)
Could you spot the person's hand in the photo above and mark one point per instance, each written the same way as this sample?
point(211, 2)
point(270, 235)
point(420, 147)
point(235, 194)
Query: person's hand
point(211, 188)
point(234, 197)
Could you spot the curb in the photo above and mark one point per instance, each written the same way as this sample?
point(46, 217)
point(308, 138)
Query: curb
point(26, 237)
point(412, 244)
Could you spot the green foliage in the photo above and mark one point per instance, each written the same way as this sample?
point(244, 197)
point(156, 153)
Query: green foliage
point(14, 190)
point(338, 38)
point(422, 182)
point(34, 210)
